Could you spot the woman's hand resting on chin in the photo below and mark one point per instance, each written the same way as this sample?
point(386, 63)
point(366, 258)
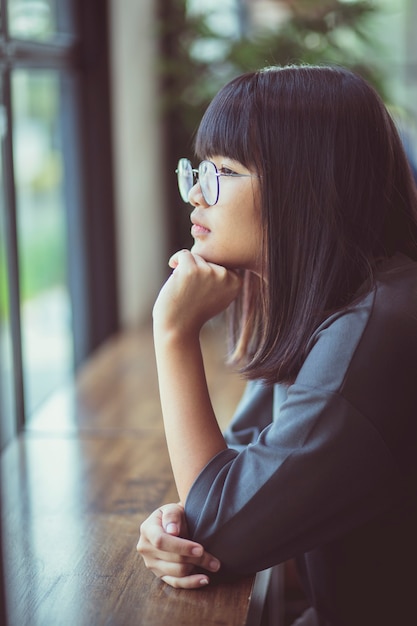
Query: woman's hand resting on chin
point(195, 292)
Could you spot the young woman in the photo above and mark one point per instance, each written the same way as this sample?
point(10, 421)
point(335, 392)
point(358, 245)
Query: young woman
point(304, 221)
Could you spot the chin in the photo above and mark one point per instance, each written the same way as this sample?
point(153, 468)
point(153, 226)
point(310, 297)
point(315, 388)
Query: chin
point(211, 257)
point(201, 250)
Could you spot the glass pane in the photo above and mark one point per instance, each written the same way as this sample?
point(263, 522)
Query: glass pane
point(39, 20)
point(7, 403)
point(45, 304)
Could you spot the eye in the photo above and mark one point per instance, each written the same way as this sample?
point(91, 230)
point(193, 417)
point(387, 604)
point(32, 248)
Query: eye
point(226, 171)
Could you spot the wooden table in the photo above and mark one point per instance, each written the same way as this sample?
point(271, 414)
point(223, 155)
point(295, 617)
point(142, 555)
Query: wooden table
point(77, 484)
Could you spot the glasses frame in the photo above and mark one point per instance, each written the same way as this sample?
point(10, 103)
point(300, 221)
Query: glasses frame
point(197, 175)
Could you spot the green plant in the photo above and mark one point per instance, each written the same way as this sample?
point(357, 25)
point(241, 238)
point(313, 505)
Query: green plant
point(313, 32)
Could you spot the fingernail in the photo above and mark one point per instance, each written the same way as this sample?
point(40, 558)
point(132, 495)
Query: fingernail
point(197, 551)
point(172, 529)
point(214, 565)
point(204, 581)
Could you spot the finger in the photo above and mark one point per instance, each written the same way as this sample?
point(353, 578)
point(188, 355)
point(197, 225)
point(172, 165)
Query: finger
point(172, 527)
point(176, 570)
point(154, 541)
point(195, 581)
point(173, 519)
point(173, 563)
point(233, 276)
point(207, 561)
point(166, 544)
point(190, 553)
point(174, 260)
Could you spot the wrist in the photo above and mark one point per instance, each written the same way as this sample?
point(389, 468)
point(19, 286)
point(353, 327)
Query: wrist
point(174, 335)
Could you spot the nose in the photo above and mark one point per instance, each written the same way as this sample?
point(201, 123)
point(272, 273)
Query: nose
point(195, 196)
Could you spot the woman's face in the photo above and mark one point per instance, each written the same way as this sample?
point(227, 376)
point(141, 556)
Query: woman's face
point(229, 232)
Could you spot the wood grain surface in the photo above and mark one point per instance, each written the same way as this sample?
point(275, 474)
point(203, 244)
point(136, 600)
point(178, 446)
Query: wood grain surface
point(92, 465)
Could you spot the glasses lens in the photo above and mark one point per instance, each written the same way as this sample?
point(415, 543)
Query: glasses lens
point(209, 181)
point(185, 178)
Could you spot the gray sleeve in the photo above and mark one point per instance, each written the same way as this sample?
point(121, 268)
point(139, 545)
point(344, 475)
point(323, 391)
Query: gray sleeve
point(253, 414)
point(315, 472)
point(321, 464)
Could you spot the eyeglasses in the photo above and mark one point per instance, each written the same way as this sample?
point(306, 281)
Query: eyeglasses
point(208, 177)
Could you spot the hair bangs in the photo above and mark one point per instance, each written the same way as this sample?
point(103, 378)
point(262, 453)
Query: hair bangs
point(225, 128)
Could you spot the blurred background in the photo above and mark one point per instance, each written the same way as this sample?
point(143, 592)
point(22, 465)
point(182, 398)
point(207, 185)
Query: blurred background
point(98, 100)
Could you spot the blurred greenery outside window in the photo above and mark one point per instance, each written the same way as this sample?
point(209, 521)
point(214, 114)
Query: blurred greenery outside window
point(41, 227)
point(218, 40)
point(34, 20)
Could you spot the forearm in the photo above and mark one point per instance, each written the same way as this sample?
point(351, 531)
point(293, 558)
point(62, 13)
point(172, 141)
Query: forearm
point(192, 432)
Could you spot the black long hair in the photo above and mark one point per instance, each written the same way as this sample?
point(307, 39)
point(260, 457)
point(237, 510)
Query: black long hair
point(337, 195)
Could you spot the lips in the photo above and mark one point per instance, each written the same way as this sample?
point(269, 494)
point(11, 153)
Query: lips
point(198, 229)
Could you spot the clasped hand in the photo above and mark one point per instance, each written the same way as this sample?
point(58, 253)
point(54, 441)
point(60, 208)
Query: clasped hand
point(168, 554)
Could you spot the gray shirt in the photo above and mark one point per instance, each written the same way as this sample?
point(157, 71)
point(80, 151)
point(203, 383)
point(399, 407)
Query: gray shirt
point(325, 470)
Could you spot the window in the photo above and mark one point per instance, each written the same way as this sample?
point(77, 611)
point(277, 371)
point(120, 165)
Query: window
point(7, 400)
point(57, 257)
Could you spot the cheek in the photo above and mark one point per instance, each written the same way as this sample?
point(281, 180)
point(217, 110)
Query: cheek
point(242, 246)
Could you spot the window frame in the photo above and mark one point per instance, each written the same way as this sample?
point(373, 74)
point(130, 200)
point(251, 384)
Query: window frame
point(82, 59)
